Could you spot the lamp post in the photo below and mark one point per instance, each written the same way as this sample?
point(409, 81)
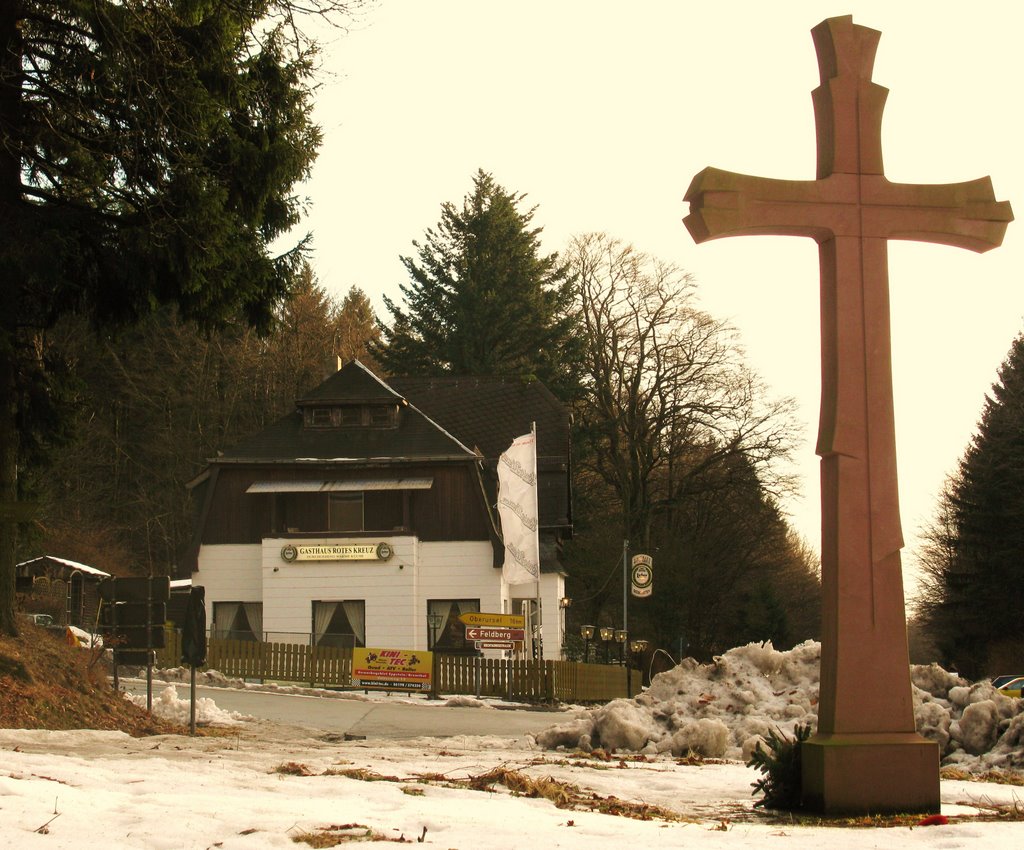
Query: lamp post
point(638, 646)
point(587, 633)
point(607, 636)
point(434, 621)
point(620, 638)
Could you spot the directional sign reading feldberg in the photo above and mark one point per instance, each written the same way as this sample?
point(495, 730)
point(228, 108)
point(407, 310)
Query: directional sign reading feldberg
point(482, 633)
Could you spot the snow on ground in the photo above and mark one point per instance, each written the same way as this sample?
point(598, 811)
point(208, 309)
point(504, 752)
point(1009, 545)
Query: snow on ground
point(260, 786)
point(256, 785)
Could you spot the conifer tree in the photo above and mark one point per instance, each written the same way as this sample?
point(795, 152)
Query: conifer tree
point(148, 153)
point(973, 589)
point(482, 299)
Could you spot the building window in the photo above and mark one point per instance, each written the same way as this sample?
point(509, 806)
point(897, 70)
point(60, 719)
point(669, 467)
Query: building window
point(345, 512)
point(339, 623)
point(381, 416)
point(237, 621)
point(351, 415)
point(320, 417)
point(445, 631)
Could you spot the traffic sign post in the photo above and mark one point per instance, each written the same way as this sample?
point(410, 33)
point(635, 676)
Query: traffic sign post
point(496, 621)
point(132, 619)
point(508, 645)
point(478, 633)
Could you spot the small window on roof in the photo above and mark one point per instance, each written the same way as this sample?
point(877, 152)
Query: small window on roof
point(320, 417)
point(381, 415)
point(352, 415)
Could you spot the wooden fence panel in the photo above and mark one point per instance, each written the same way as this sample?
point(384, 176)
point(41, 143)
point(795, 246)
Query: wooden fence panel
point(522, 680)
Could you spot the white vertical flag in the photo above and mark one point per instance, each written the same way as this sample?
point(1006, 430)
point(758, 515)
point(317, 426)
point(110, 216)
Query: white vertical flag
point(517, 507)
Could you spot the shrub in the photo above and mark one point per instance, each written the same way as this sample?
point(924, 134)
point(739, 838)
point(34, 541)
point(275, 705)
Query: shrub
point(780, 764)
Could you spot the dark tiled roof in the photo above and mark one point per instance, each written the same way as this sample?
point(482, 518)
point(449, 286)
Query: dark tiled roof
point(415, 438)
point(438, 418)
point(481, 413)
point(353, 382)
point(488, 413)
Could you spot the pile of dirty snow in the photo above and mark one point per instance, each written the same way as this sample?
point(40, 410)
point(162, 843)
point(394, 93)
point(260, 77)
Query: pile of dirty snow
point(168, 706)
point(726, 708)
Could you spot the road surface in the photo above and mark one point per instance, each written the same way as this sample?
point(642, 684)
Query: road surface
point(370, 719)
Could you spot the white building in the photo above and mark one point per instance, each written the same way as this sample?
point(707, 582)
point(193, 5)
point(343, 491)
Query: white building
point(367, 515)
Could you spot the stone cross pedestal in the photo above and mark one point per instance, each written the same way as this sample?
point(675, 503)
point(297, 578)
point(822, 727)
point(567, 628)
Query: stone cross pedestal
point(866, 755)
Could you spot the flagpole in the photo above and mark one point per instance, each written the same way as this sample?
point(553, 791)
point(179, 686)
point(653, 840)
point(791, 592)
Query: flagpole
point(536, 532)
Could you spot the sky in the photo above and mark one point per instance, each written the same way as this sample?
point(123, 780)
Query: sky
point(602, 113)
point(90, 790)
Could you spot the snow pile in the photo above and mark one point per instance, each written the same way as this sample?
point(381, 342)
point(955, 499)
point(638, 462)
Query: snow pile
point(725, 709)
point(168, 706)
point(976, 726)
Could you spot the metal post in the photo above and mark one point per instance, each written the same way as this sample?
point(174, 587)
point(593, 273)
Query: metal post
point(192, 704)
point(149, 643)
point(625, 582)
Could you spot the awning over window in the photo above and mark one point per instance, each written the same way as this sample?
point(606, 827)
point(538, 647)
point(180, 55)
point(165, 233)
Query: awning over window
point(350, 485)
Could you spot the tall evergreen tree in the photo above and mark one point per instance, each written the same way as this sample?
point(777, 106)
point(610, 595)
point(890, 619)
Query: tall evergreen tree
point(152, 403)
point(973, 591)
point(147, 156)
point(482, 299)
point(357, 328)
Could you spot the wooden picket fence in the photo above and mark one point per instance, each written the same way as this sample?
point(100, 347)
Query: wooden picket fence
point(516, 680)
point(317, 666)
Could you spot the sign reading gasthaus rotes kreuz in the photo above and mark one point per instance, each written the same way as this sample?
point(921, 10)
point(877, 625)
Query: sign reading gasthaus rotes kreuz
point(337, 552)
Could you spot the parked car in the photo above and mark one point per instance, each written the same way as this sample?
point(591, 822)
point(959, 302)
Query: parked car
point(1011, 688)
point(40, 619)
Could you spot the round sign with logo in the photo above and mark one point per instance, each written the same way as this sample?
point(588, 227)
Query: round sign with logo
point(642, 575)
point(289, 553)
point(384, 551)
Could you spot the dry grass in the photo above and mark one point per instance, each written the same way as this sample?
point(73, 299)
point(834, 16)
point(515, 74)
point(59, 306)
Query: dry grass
point(332, 836)
point(1001, 777)
point(46, 684)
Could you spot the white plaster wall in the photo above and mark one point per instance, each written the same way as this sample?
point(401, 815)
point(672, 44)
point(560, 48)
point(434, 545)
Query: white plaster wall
point(387, 588)
point(395, 591)
point(230, 573)
point(456, 570)
point(552, 588)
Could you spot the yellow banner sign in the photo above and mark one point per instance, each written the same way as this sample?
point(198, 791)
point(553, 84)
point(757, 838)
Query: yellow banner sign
point(391, 669)
point(494, 621)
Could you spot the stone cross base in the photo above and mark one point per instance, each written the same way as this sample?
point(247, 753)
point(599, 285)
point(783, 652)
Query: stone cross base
point(876, 773)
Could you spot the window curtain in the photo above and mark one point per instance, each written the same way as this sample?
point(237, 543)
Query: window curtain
point(323, 613)
point(355, 610)
point(254, 613)
point(224, 616)
point(442, 607)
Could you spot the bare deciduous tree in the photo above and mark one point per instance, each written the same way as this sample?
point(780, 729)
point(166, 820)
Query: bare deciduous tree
point(668, 397)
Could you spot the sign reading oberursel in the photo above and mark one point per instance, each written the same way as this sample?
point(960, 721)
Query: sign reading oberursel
point(497, 621)
point(337, 552)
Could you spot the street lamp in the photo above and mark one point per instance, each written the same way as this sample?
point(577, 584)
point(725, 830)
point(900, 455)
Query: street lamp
point(434, 621)
point(638, 646)
point(587, 633)
point(620, 638)
point(607, 636)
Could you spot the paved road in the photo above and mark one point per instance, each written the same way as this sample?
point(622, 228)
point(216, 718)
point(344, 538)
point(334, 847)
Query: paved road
point(393, 720)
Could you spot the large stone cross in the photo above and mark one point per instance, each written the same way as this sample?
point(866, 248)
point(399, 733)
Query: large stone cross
point(866, 755)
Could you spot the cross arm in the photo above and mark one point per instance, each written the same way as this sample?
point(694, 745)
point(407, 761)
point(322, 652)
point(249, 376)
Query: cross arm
point(964, 215)
point(724, 203)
